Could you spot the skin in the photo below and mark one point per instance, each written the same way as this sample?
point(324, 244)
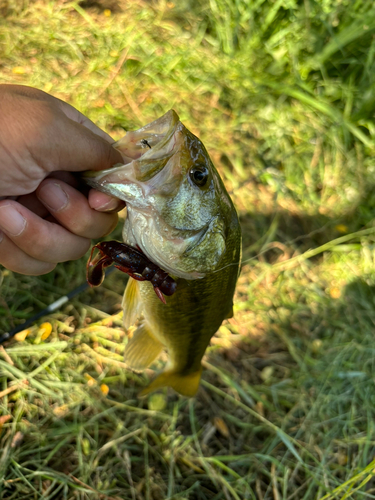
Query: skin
point(43, 141)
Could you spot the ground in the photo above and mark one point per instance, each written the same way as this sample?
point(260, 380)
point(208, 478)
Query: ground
point(282, 94)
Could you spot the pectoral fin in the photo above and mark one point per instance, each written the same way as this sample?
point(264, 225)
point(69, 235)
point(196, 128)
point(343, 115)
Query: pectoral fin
point(131, 304)
point(142, 349)
point(186, 385)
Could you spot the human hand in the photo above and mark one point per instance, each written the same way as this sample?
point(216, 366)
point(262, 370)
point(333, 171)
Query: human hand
point(44, 217)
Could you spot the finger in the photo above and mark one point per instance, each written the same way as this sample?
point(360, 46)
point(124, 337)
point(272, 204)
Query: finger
point(104, 203)
point(16, 260)
point(72, 210)
point(73, 147)
point(31, 202)
point(76, 116)
point(71, 112)
point(67, 177)
point(39, 238)
point(50, 139)
point(79, 117)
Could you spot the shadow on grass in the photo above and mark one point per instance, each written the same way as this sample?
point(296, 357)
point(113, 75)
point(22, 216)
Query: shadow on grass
point(309, 374)
point(300, 229)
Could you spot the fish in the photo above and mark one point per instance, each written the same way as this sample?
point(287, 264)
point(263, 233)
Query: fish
point(180, 215)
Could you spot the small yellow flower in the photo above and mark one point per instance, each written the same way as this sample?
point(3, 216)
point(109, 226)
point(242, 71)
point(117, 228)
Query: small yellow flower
point(335, 292)
point(316, 345)
point(341, 228)
point(107, 12)
point(20, 336)
point(61, 411)
point(45, 329)
point(105, 389)
point(113, 53)
point(19, 70)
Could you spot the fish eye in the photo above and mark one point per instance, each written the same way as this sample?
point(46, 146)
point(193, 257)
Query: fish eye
point(199, 175)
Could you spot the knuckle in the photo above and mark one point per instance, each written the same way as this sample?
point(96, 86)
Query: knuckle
point(77, 249)
point(36, 240)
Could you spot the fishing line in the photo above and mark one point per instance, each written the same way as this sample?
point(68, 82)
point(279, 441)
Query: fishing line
point(49, 309)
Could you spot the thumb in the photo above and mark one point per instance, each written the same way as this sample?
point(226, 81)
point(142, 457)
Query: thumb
point(76, 148)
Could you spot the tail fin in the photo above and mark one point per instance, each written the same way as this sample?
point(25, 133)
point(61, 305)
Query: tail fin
point(186, 385)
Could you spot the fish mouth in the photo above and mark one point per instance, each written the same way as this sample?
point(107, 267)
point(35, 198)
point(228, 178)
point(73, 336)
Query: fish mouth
point(145, 152)
point(150, 139)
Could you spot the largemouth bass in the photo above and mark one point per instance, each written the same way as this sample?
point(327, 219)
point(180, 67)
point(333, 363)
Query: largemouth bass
point(181, 217)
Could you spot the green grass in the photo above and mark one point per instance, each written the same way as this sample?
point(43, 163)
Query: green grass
point(282, 94)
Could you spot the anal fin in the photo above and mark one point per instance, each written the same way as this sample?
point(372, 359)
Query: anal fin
point(142, 349)
point(186, 385)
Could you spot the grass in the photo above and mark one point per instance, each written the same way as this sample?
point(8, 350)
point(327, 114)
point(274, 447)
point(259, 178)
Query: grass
point(282, 95)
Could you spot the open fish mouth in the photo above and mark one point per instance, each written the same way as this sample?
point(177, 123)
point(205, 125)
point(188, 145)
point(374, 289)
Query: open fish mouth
point(153, 138)
point(146, 152)
point(148, 149)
